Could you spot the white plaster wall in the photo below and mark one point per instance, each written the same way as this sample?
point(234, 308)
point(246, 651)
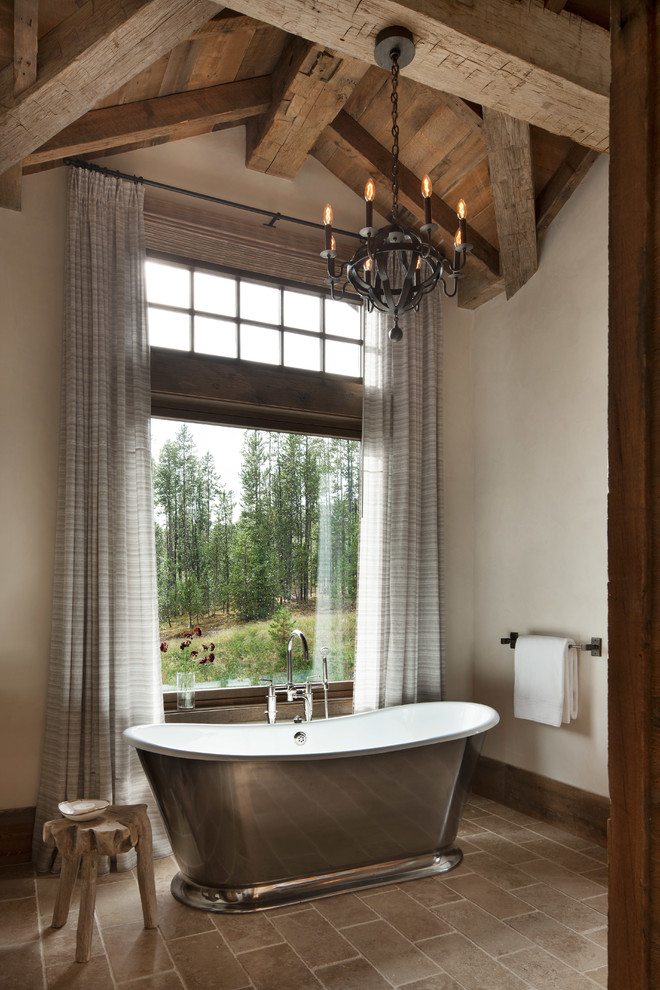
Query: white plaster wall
point(540, 448)
point(525, 447)
point(31, 292)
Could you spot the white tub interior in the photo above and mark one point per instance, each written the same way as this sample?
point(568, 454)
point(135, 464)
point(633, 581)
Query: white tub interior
point(400, 727)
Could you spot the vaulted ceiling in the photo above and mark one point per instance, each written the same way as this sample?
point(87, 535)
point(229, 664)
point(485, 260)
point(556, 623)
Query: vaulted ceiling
point(505, 103)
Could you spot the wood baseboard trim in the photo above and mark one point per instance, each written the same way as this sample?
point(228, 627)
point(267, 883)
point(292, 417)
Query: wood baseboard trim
point(554, 802)
point(16, 827)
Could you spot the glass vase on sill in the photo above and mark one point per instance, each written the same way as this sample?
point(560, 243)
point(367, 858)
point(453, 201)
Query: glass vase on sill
point(185, 689)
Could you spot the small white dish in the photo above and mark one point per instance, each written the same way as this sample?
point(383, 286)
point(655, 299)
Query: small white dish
point(83, 810)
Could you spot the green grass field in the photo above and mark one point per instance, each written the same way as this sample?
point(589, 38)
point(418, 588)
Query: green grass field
point(244, 652)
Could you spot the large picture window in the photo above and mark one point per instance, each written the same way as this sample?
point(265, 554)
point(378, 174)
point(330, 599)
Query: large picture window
point(256, 534)
point(256, 529)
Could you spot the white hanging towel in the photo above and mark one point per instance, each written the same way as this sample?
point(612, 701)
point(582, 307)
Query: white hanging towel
point(546, 679)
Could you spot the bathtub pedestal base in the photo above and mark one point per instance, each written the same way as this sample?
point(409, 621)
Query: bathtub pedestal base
point(258, 898)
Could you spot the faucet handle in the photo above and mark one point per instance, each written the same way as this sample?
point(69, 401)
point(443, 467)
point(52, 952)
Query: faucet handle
point(271, 701)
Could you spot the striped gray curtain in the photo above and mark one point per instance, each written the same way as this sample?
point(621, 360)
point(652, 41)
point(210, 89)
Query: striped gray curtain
point(400, 651)
point(104, 666)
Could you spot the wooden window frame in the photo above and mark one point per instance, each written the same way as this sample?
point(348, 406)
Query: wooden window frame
point(231, 392)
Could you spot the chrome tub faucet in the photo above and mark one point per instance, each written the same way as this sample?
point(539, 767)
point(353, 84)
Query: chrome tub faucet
point(297, 692)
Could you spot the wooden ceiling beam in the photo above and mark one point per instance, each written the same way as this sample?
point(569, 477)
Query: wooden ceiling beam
point(161, 117)
point(26, 43)
point(477, 288)
point(310, 87)
point(512, 182)
point(469, 113)
point(562, 185)
point(356, 142)
point(87, 56)
point(225, 22)
point(551, 70)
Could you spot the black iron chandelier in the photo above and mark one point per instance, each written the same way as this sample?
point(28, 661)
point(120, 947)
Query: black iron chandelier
point(396, 266)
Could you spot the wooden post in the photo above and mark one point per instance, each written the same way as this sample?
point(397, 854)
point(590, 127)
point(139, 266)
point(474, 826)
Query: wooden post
point(634, 503)
point(26, 13)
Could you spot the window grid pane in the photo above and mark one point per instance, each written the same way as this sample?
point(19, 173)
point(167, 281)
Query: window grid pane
point(261, 344)
point(216, 337)
point(302, 352)
point(223, 315)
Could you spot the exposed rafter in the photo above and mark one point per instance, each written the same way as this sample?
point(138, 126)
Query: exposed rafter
point(551, 70)
point(562, 185)
point(133, 123)
point(510, 165)
point(469, 113)
point(310, 87)
point(89, 55)
point(26, 43)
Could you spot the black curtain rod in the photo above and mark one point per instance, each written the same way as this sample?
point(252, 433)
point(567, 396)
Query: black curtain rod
point(274, 217)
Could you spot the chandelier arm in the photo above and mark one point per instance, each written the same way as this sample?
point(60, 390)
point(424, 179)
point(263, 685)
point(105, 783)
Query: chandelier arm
point(450, 295)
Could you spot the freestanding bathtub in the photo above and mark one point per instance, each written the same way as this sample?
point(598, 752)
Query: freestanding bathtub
point(262, 815)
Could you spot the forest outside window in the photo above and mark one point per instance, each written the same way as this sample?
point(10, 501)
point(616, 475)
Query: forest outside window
point(256, 534)
point(256, 529)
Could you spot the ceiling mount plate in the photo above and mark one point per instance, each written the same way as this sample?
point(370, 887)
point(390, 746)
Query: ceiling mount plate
point(392, 39)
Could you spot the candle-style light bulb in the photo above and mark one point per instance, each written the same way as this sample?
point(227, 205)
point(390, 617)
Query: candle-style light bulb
point(418, 268)
point(461, 212)
point(367, 270)
point(369, 194)
point(427, 189)
point(327, 221)
point(458, 249)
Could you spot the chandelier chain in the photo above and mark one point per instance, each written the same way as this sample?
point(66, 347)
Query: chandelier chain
point(395, 134)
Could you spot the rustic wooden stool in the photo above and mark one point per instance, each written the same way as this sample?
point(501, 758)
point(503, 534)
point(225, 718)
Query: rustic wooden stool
point(118, 829)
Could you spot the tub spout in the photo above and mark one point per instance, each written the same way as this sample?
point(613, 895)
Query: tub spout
point(290, 687)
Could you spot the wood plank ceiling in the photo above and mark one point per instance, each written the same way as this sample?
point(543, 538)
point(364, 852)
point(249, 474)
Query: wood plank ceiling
point(505, 104)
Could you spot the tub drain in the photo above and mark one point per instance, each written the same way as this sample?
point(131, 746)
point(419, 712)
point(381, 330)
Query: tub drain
point(300, 738)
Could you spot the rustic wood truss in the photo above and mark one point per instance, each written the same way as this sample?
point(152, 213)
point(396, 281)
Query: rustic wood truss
point(505, 104)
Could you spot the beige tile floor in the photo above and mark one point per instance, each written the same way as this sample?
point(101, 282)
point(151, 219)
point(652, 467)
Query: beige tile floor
point(526, 910)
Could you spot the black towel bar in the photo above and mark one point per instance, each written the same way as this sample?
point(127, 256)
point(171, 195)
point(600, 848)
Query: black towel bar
point(594, 646)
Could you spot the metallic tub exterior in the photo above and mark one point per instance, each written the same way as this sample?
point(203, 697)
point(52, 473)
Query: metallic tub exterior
point(258, 831)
